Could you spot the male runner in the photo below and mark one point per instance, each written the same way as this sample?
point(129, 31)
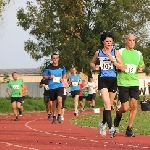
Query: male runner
point(48, 103)
point(14, 90)
point(55, 73)
point(128, 82)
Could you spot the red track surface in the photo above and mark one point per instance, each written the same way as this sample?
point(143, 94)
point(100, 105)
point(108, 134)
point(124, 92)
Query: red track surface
point(35, 132)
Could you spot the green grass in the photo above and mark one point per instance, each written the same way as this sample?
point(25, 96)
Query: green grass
point(37, 104)
point(141, 124)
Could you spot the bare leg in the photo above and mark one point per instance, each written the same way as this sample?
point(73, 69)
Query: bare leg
point(76, 102)
point(133, 111)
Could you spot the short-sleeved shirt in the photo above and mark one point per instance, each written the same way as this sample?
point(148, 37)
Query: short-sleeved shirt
point(24, 90)
point(132, 59)
point(16, 88)
point(58, 72)
point(75, 84)
point(91, 87)
point(46, 88)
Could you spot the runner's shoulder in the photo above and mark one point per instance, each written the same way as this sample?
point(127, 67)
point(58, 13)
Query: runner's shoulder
point(52, 67)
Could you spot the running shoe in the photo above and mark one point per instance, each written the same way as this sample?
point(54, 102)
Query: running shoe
point(129, 132)
point(112, 132)
point(102, 128)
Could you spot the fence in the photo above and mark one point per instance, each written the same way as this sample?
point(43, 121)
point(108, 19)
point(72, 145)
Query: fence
point(33, 90)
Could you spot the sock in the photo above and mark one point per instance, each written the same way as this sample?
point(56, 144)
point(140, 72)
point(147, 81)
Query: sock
point(92, 106)
point(58, 115)
point(104, 119)
point(108, 118)
point(54, 116)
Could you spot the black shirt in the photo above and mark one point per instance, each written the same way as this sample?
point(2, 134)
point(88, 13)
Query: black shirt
point(45, 81)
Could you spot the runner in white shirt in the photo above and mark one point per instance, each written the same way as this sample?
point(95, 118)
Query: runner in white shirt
point(91, 92)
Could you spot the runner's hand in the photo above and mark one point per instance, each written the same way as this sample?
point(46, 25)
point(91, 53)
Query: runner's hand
point(140, 69)
point(97, 67)
point(52, 76)
point(110, 57)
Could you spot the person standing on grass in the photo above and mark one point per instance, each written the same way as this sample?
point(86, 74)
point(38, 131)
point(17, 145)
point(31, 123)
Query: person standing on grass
point(107, 80)
point(65, 84)
point(24, 94)
point(55, 73)
point(48, 103)
point(128, 82)
point(74, 80)
point(14, 90)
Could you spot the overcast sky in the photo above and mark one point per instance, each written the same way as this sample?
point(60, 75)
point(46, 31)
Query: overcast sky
point(12, 37)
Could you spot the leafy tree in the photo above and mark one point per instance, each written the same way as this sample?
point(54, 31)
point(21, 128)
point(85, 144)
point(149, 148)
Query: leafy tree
point(6, 79)
point(72, 28)
point(3, 3)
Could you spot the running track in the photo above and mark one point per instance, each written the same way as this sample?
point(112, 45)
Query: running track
point(35, 132)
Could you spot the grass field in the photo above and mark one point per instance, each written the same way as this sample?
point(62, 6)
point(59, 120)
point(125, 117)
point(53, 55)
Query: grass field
point(37, 104)
point(141, 124)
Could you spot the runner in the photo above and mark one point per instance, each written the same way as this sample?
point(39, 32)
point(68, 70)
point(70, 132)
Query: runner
point(81, 99)
point(24, 94)
point(47, 102)
point(107, 82)
point(91, 85)
point(56, 73)
point(14, 90)
point(128, 82)
point(65, 84)
point(85, 93)
point(94, 93)
point(74, 79)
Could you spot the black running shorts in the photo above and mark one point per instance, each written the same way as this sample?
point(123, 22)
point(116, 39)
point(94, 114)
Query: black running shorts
point(80, 98)
point(16, 99)
point(128, 92)
point(74, 93)
point(54, 93)
point(110, 83)
point(46, 99)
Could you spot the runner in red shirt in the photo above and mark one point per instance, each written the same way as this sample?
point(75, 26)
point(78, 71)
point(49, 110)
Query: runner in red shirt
point(81, 99)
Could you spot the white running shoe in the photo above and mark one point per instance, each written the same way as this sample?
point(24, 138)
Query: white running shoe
point(102, 128)
point(62, 118)
point(112, 132)
point(76, 113)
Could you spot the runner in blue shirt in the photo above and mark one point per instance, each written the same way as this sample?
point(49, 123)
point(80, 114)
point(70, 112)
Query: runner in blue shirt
point(55, 73)
point(74, 79)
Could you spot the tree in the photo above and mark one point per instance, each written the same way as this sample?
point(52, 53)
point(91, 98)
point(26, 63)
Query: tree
point(3, 3)
point(72, 28)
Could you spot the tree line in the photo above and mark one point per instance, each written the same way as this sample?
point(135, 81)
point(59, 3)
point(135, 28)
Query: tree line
point(73, 27)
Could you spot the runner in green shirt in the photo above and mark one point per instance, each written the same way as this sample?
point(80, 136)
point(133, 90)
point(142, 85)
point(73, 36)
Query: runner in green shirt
point(14, 90)
point(128, 82)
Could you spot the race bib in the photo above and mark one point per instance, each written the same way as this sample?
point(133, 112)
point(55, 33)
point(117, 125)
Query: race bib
point(56, 79)
point(106, 65)
point(46, 87)
point(16, 87)
point(131, 68)
point(75, 83)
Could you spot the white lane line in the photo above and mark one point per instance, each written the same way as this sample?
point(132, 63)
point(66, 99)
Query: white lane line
point(10, 144)
point(105, 143)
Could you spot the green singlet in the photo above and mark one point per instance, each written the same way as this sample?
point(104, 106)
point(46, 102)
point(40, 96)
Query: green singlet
point(16, 88)
point(132, 59)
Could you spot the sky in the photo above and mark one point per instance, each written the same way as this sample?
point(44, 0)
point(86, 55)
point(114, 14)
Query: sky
point(12, 38)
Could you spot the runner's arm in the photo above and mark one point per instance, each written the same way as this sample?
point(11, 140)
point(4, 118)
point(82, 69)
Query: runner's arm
point(93, 61)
